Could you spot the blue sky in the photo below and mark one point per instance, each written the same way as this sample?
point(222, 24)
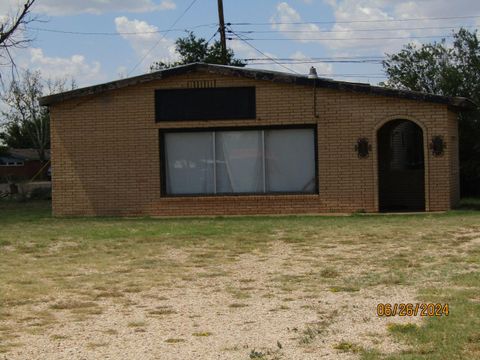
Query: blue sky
point(347, 29)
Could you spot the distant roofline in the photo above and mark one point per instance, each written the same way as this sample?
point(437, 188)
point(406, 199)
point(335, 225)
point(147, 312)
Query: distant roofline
point(256, 74)
point(26, 154)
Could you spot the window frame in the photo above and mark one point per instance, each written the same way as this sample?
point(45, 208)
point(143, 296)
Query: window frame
point(163, 169)
point(13, 164)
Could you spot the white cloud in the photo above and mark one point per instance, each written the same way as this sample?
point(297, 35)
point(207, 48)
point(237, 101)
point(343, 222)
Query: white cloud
point(364, 10)
point(163, 48)
point(242, 50)
point(355, 10)
point(348, 35)
point(9, 7)
point(76, 67)
point(300, 65)
point(337, 37)
point(284, 15)
point(432, 8)
point(97, 7)
point(33, 58)
point(122, 72)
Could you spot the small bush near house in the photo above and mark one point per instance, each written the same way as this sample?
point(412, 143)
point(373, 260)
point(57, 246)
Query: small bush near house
point(41, 194)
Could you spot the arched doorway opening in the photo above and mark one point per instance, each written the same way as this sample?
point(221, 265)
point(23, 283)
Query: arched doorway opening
point(401, 168)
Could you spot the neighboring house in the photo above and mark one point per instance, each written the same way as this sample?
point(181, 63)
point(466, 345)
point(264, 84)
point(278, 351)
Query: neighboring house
point(22, 164)
point(207, 139)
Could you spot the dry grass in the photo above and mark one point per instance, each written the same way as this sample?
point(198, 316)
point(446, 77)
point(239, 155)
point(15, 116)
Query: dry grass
point(309, 283)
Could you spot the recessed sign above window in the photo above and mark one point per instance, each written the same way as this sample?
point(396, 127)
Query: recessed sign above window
point(197, 84)
point(232, 103)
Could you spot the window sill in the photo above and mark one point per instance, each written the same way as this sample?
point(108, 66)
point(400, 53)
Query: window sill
point(234, 197)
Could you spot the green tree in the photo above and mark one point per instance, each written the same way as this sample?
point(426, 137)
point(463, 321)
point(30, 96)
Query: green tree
point(3, 150)
point(27, 124)
point(192, 49)
point(450, 70)
point(15, 135)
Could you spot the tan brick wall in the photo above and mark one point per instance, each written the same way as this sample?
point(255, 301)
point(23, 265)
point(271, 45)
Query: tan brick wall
point(453, 152)
point(105, 150)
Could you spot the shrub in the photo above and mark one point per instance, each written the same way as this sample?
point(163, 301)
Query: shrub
point(41, 194)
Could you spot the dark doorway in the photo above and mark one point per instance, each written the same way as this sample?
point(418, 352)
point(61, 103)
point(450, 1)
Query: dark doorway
point(401, 170)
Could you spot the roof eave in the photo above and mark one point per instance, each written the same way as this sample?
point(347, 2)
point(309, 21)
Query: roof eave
point(255, 74)
point(117, 84)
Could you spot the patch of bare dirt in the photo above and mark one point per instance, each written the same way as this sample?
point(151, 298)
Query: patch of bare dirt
point(227, 316)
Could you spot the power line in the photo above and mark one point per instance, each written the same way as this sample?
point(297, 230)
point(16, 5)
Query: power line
point(354, 30)
point(376, 76)
point(356, 75)
point(318, 60)
point(355, 21)
point(211, 38)
point(68, 32)
point(325, 58)
point(134, 33)
point(163, 36)
point(345, 39)
point(262, 53)
point(308, 61)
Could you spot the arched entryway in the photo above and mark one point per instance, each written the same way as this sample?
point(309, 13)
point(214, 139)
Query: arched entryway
point(401, 168)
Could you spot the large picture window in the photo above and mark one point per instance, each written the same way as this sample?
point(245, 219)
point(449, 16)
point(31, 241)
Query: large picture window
point(258, 161)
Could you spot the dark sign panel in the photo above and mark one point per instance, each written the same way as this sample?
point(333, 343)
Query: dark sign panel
point(205, 104)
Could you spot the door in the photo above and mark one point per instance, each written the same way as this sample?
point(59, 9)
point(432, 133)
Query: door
point(401, 168)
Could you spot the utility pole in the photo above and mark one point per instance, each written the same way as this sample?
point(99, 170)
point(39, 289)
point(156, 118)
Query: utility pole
point(221, 29)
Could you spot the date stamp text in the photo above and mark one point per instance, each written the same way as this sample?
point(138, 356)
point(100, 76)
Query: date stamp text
point(410, 309)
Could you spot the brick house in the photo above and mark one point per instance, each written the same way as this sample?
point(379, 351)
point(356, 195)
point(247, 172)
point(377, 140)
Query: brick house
point(22, 164)
point(207, 139)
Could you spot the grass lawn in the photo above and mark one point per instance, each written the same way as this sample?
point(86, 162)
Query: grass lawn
point(298, 287)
